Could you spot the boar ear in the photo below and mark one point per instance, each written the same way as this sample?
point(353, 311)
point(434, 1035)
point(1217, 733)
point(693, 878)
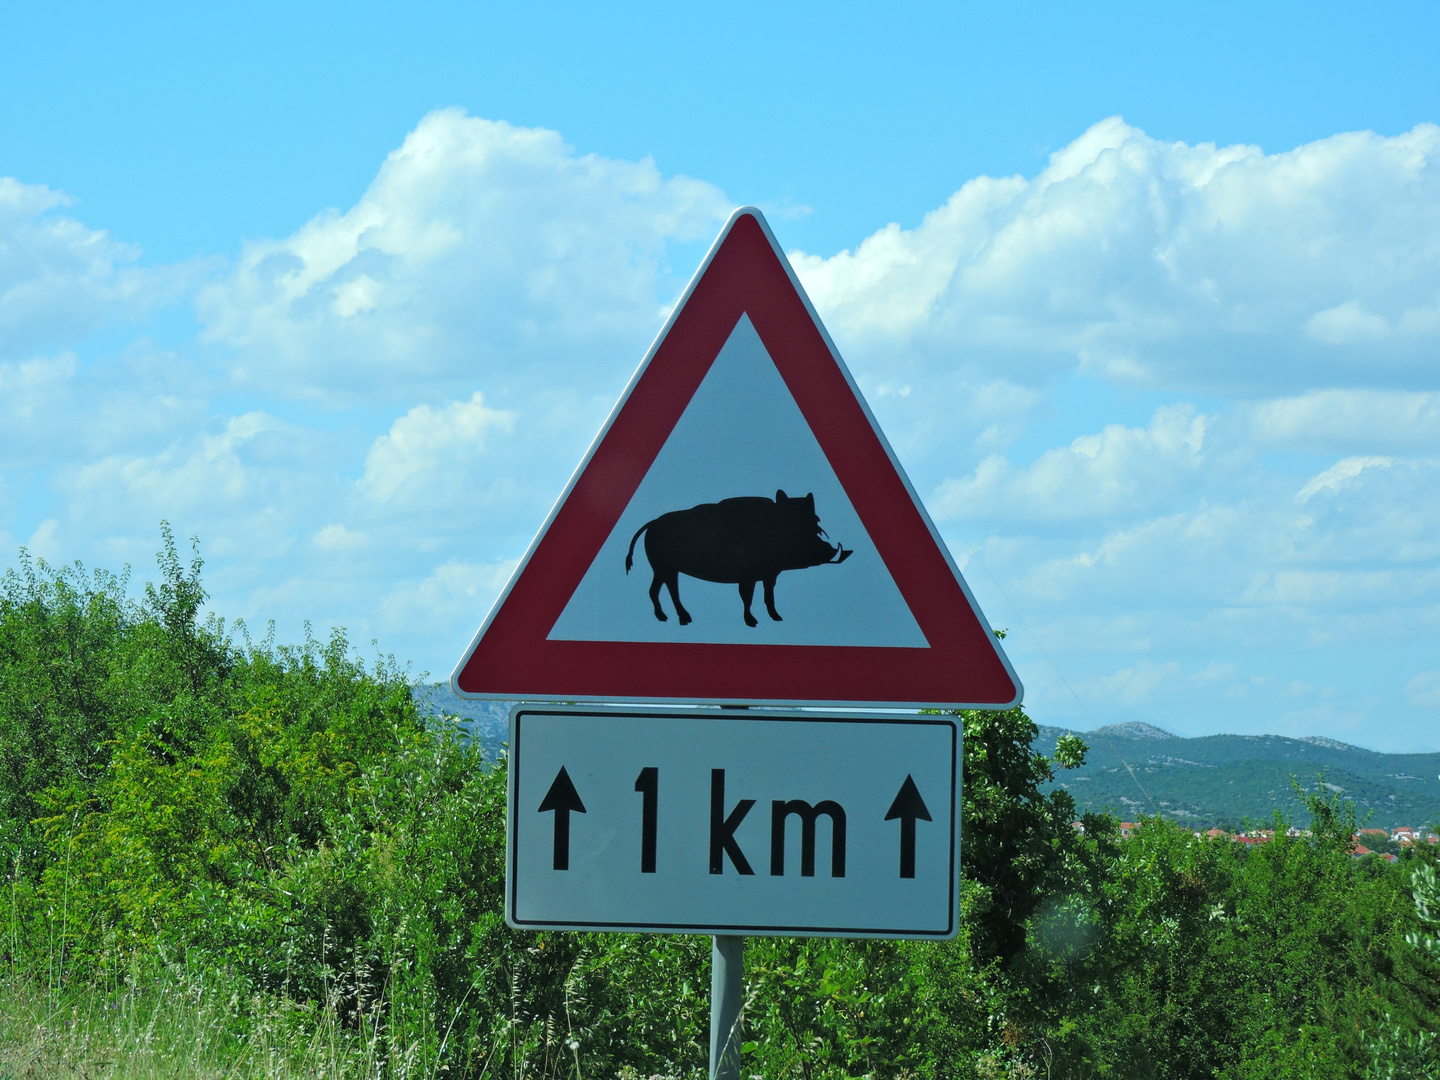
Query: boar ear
point(780, 496)
point(810, 500)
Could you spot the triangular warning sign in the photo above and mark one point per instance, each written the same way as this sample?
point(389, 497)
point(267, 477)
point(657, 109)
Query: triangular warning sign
point(740, 532)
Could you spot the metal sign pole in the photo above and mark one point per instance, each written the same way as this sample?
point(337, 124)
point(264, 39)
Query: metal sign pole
point(727, 994)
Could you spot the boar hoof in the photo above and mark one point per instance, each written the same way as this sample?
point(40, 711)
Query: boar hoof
point(750, 620)
point(684, 618)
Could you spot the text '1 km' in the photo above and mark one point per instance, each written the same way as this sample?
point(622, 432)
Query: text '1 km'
point(908, 807)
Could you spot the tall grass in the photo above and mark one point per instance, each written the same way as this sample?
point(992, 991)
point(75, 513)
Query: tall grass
point(173, 1022)
point(165, 1026)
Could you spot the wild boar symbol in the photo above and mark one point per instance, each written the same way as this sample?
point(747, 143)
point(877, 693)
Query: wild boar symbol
point(740, 541)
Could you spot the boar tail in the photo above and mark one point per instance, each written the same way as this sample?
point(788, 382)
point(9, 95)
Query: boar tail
point(630, 555)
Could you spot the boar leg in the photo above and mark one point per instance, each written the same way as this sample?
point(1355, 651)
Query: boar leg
point(655, 598)
point(673, 584)
point(747, 594)
point(770, 599)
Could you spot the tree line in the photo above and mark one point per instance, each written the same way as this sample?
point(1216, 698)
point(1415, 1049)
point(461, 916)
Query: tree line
point(176, 793)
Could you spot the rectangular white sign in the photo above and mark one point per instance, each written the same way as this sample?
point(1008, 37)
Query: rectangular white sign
point(701, 821)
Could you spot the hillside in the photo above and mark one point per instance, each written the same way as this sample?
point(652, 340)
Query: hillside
point(489, 721)
point(1213, 780)
point(1226, 779)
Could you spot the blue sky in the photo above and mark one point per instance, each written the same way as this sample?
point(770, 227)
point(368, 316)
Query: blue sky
point(346, 291)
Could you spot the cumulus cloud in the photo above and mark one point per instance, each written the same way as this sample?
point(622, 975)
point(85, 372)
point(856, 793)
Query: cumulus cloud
point(1339, 419)
point(30, 388)
point(245, 486)
point(57, 409)
point(1166, 264)
point(1365, 532)
point(1209, 614)
point(1253, 598)
point(481, 252)
point(1341, 475)
point(336, 538)
point(1121, 471)
point(483, 255)
point(465, 326)
point(44, 541)
point(60, 280)
point(429, 450)
point(452, 599)
point(1424, 690)
point(1137, 684)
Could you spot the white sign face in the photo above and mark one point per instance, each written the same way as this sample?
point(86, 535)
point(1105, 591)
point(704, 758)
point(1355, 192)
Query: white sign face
point(742, 435)
point(700, 821)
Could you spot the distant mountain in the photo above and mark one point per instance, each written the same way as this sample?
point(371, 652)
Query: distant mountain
point(1138, 768)
point(1133, 730)
point(1227, 779)
point(487, 721)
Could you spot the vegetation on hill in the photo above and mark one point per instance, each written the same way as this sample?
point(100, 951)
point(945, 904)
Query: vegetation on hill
point(272, 854)
point(1227, 780)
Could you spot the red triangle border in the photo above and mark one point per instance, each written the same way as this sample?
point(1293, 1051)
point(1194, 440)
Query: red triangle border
point(745, 273)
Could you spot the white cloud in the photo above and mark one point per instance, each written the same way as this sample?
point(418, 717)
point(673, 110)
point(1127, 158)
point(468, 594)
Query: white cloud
point(1327, 419)
point(1341, 474)
point(1134, 685)
point(31, 389)
point(1377, 549)
point(59, 280)
point(468, 322)
point(1254, 593)
point(1163, 263)
point(456, 594)
point(338, 539)
point(1424, 690)
point(428, 450)
point(1347, 324)
point(1121, 471)
point(43, 541)
point(482, 252)
point(244, 487)
point(1217, 672)
point(57, 410)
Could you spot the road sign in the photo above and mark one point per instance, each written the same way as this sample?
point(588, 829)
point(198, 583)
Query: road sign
point(740, 532)
point(701, 821)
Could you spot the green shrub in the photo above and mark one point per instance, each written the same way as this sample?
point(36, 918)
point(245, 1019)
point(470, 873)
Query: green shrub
point(281, 823)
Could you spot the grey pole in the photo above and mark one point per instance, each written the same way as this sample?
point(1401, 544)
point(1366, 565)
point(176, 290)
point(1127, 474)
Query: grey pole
point(727, 994)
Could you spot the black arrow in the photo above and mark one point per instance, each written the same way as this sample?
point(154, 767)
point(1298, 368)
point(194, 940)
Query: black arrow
point(563, 798)
point(908, 806)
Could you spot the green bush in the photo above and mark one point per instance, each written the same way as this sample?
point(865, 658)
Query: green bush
point(179, 800)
